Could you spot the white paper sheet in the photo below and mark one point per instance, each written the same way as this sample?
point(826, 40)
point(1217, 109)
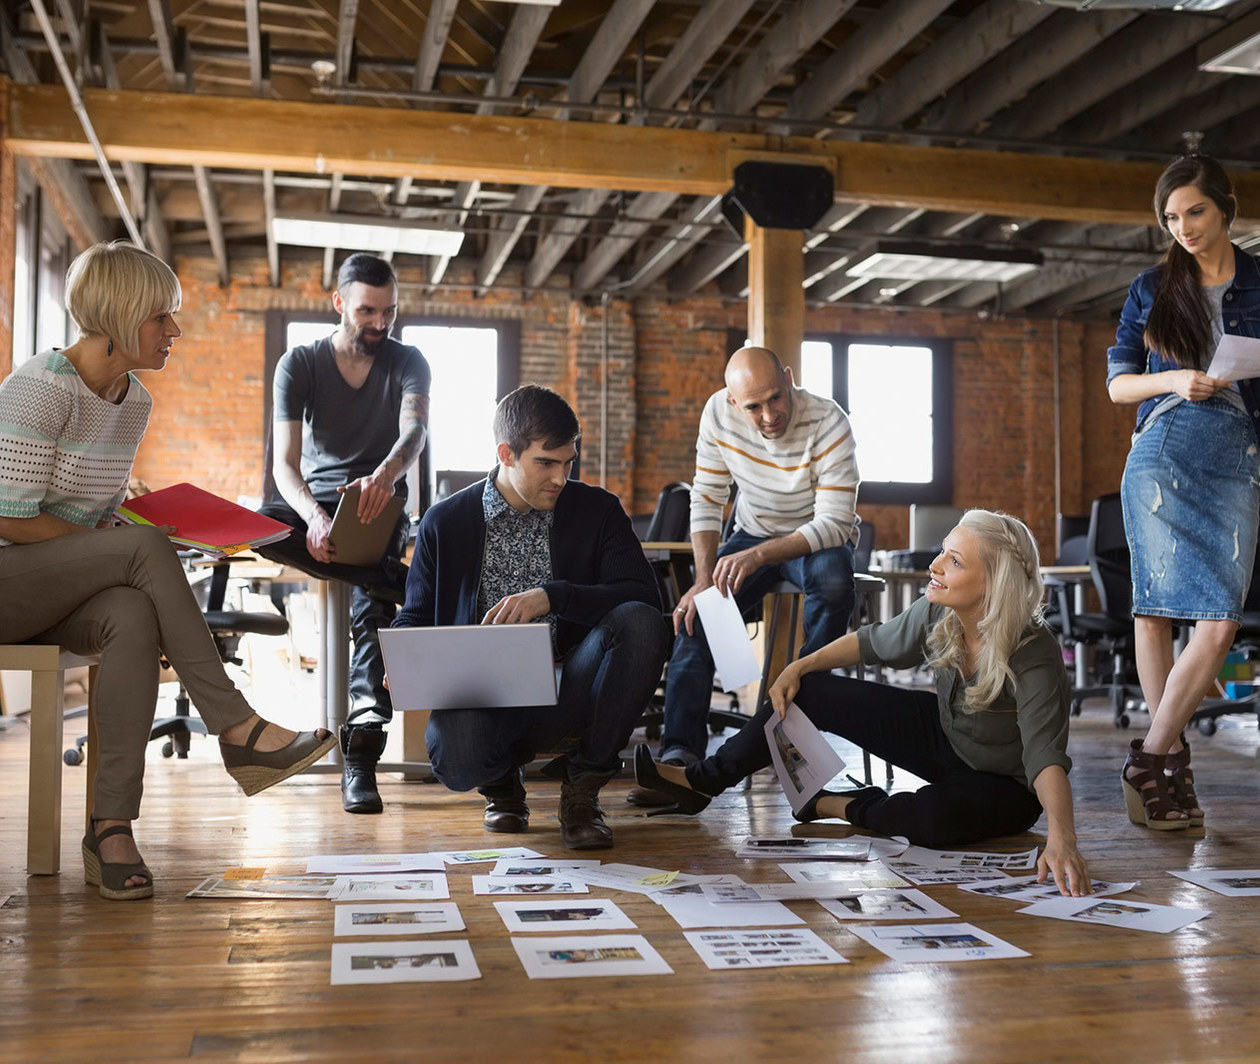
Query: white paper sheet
point(527, 885)
point(288, 888)
point(396, 918)
point(733, 655)
point(728, 894)
point(1026, 888)
point(423, 886)
point(588, 956)
point(693, 889)
point(803, 759)
point(724, 950)
point(696, 912)
point(460, 857)
point(934, 943)
point(807, 848)
point(377, 864)
point(873, 876)
point(1233, 883)
point(1236, 358)
point(422, 961)
point(638, 879)
point(966, 860)
point(887, 905)
point(586, 914)
point(524, 866)
point(1134, 915)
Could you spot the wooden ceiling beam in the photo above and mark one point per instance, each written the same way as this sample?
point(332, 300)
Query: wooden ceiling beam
point(991, 28)
point(1135, 51)
point(173, 128)
point(1031, 60)
point(210, 208)
point(432, 44)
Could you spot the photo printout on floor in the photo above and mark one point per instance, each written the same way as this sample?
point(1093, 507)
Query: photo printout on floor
point(766, 948)
point(588, 956)
point(396, 918)
point(933, 943)
point(421, 961)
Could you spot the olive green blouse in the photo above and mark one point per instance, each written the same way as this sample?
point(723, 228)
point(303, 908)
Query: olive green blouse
point(1021, 732)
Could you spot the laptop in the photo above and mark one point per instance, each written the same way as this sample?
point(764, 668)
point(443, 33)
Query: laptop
point(475, 666)
point(355, 542)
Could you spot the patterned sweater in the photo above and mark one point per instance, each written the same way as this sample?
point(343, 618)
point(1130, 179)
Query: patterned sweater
point(806, 481)
point(63, 449)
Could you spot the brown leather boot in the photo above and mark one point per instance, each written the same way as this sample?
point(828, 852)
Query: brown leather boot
point(582, 824)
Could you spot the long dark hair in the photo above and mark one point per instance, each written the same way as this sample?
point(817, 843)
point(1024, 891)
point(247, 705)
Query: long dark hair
point(1180, 325)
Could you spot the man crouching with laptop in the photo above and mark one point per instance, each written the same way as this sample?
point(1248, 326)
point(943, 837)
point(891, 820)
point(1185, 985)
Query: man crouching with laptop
point(528, 545)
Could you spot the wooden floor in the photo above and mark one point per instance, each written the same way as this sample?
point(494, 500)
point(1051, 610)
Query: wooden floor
point(168, 979)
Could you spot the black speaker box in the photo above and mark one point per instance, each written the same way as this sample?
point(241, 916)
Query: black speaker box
point(778, 195)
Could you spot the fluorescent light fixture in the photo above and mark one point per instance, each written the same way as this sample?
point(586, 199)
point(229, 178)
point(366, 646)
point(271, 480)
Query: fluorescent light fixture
point(366, 234)
point(1233, 50)
point(910, 260)
point(535, 3)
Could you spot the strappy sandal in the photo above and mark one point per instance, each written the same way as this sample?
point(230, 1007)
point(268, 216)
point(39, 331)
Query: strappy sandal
point(256, 770)
point(111, 876)
point(1146, 791)
point(646, 775)
point(1181, 781)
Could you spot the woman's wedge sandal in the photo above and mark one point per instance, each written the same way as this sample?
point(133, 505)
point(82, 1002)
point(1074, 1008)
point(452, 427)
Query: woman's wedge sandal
point(1146, 791)
point(1181, 782)
point(256, 770)
point(111, 876)
point(646, 775)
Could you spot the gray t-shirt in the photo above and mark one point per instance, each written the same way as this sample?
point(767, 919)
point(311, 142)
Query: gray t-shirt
point(1022, 731)
point(346, 432)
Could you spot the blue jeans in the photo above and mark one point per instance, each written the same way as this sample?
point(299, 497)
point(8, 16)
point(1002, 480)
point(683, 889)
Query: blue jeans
point(825, 576)
point(605, 684)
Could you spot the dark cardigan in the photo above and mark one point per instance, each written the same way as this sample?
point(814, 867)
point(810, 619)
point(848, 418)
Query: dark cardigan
point(596, 561)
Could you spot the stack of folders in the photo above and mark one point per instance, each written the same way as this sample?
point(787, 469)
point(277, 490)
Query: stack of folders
point(203, 521)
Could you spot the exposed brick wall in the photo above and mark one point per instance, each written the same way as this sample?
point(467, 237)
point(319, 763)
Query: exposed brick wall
point(665, 358)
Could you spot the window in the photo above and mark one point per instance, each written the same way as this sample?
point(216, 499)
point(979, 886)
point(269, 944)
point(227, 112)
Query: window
point(897, 394)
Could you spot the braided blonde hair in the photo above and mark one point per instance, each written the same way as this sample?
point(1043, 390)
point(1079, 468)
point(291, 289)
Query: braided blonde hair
point(1012, 601)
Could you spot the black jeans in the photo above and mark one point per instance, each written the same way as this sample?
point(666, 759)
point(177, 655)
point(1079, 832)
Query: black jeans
point(605, 683)
point(959, 804)
point(369, 698)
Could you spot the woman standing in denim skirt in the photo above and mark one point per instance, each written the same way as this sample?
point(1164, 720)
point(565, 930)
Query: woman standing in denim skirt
point(1190, 489)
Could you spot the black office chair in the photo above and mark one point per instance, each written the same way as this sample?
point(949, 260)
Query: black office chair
point(671, 523)
point(1111, 631)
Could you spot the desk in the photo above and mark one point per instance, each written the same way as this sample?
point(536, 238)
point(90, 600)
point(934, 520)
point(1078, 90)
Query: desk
point(674, 557)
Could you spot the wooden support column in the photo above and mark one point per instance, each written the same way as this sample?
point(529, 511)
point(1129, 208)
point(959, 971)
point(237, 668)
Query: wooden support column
point(8, 247)
point(776, 319)
point(776, 293)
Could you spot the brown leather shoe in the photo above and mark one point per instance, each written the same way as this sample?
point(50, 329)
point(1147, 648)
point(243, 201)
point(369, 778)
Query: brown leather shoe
point(582, 824)
point(506, 811)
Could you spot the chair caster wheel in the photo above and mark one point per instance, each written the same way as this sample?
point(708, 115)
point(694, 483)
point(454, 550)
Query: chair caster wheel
point(651, 732)
point(1122, 721)
point(1207, 726)
point(717, 729)
point(1076, 707)
point(73, 757)
point(168, 749)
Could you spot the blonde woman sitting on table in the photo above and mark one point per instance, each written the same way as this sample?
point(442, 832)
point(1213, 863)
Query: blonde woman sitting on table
point(70, 423)
point(991, 740)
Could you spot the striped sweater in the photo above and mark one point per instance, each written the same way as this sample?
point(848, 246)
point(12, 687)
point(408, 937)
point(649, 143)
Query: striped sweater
point(806, 481)
point(63, 449)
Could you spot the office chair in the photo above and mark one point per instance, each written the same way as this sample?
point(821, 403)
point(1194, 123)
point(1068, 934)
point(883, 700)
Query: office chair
point(1111, 631)
point(671, 523)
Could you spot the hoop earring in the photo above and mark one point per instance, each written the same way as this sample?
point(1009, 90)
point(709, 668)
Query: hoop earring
point(109, 349)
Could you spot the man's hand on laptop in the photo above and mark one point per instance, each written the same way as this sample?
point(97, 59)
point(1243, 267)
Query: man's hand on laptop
point(518, 609)
point(317, 543)
point(375, 491)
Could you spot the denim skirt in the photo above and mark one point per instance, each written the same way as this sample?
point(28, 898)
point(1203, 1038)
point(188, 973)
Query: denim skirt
point(1191, 497)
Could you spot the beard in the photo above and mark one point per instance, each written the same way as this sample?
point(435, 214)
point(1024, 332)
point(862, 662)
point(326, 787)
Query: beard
point(365, 341)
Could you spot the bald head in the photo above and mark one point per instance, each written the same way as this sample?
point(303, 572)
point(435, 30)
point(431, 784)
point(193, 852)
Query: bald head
point(761, 389)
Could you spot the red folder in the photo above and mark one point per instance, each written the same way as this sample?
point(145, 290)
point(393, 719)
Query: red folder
point(203, 521)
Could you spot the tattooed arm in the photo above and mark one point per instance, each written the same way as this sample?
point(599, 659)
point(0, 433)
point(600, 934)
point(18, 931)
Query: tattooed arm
point(377, 489)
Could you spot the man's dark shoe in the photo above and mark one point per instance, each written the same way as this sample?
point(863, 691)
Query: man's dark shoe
point(506, 811)
point(582, 824)
point(361, 748)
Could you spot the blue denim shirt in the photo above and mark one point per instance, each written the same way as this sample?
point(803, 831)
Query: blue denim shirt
point(1240, 306)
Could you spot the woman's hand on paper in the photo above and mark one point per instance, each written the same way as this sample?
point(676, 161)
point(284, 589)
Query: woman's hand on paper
point(1195, 385)
point(1064, 861)
point(784, 689)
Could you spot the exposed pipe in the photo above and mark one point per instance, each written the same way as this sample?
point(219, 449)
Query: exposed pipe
point(1058, 445)
point(76, 102)
point(603, 392)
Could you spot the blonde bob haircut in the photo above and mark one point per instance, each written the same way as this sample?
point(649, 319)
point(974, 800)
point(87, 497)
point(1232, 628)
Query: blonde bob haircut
point(111, 288)
point(1012, 602)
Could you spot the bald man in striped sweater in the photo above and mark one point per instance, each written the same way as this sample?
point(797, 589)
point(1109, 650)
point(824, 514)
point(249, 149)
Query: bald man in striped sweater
point(792, 456)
